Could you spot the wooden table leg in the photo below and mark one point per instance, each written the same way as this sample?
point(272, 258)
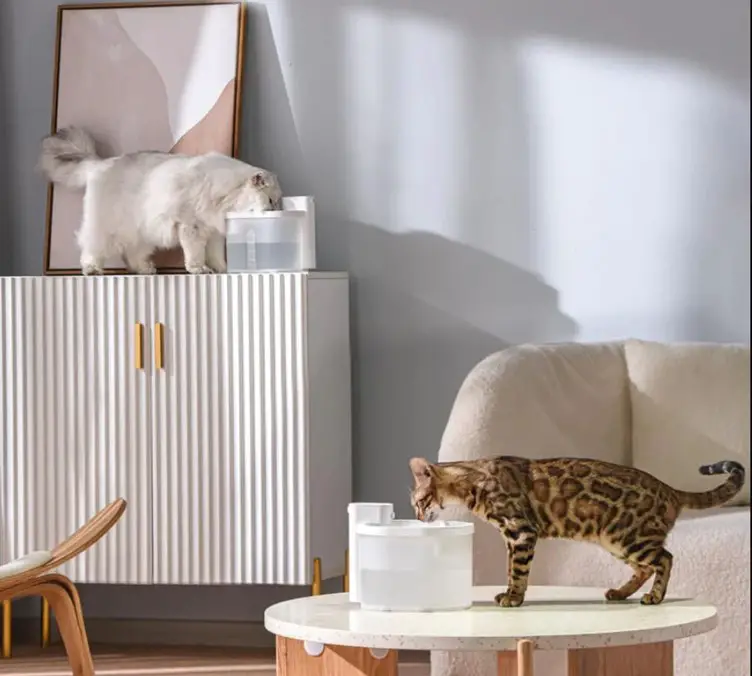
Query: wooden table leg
point(507, 663)
point(525, 651)
point(294, 660)
point(518, 663)
point(650, 659)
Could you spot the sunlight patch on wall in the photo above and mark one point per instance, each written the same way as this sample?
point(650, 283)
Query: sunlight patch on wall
point(635, 164)
point(402, 91)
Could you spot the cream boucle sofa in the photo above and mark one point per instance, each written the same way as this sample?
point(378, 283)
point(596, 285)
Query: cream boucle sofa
point(663, 408)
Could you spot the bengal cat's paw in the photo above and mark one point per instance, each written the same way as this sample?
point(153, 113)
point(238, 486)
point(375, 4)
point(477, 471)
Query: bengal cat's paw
point(507, 600)
point(651, 599)
point(615, 595)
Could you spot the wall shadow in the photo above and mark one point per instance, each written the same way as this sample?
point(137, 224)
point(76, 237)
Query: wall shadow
point(425, 311)
point(713, 38)
point(6, 68)
point(429, 299)
point(268, 135)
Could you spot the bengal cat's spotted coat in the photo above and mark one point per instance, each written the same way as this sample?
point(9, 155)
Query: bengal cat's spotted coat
point(625, 510)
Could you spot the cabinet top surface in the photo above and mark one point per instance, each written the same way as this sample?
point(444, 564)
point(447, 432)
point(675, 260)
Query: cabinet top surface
point(555, 618)
point(311, 274)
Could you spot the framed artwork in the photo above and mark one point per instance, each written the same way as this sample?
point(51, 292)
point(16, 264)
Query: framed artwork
point(143, 76)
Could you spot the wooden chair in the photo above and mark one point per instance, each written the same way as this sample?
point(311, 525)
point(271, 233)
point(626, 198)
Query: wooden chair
point(59, 591)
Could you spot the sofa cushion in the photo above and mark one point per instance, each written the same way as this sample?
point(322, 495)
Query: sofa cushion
point(690, 407)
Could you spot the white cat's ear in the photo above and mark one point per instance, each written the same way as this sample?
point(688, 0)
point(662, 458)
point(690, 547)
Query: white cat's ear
point(421, 469)
point(258, 180)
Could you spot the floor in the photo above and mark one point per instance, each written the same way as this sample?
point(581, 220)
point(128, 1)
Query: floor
point(120, 661)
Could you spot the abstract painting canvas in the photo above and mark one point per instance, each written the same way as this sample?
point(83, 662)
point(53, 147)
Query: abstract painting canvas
point(143, 76)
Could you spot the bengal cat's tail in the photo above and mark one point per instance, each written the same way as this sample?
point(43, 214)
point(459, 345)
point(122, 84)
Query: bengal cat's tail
point(722, 493)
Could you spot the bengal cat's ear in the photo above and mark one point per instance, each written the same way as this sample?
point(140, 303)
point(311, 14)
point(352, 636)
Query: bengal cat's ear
point(421, 469)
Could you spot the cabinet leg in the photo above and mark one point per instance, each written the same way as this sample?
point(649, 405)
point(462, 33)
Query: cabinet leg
point(45, 623)
point(294, 660)
point(316, 586)
point(652, 659)
point(7, 637)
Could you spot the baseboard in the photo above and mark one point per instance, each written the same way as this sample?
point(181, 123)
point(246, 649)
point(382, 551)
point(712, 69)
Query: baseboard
point(109, 631)
point(112, 631)
point(179, 632)
point(25, 630)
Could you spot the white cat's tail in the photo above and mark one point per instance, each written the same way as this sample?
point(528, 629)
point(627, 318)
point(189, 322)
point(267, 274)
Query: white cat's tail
point(67, 156)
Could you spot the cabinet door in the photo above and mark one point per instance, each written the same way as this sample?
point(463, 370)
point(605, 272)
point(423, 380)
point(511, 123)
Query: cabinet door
point(79, 421)
point(230, 430)
point(15, 360)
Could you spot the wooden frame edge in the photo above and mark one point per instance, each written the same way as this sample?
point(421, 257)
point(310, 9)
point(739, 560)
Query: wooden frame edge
point(239, 69)
point(53, 124)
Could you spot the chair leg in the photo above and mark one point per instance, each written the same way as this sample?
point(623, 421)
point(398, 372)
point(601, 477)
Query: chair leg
point(63, 599)
point(71, 627)
point(7, 635)
point(72, 592)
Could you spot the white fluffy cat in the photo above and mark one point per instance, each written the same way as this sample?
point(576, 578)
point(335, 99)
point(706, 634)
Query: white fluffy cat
point(137, 203)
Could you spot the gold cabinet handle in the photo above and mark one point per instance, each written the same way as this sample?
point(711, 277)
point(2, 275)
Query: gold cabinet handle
point(159, 345)
point(138, 345)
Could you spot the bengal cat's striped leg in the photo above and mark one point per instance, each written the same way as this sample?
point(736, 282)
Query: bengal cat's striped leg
point(509, 562)
point(651, 556)
point(640, 577)
point(521, 541)
point(661, 561)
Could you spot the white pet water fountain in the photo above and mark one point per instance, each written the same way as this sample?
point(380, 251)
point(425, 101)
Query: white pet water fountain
point(280, 241)
point(408, 565)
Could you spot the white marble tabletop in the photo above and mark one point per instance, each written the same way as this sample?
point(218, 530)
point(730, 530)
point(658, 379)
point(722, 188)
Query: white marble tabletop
point(555, 618)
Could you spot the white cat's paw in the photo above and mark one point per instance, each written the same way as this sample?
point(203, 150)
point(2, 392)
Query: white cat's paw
point(199, 269)
point(220, 266)
point(91, 269)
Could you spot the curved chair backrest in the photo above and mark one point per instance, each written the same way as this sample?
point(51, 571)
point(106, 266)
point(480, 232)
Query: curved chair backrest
point(86, 536)
point(90, 533)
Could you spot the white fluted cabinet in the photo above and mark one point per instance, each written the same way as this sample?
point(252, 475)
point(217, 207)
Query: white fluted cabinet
point(217, 405)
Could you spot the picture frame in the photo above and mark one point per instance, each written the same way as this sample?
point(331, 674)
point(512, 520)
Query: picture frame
point(159, 75)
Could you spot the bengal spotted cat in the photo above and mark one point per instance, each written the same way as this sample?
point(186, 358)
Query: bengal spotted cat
point(627, 511)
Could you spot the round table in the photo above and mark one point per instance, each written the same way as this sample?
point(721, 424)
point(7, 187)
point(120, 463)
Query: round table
point(329, 636)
